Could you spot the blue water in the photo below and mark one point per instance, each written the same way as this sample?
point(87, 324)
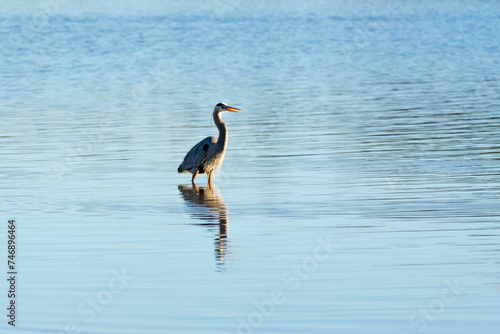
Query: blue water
point(359, 193)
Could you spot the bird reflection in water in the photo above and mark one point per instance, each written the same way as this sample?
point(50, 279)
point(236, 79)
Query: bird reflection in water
point(207, 206)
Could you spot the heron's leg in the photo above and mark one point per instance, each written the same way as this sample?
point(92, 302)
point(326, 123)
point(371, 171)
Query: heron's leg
point(195, 188)
point(209, 175)
point(194, 175)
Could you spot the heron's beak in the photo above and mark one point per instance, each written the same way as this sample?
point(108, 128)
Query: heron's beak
point(233, 109)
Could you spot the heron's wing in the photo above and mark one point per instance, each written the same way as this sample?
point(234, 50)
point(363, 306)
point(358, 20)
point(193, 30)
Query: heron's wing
point(197, 154)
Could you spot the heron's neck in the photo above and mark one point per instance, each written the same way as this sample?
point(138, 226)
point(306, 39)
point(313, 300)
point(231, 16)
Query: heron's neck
point(222, 129)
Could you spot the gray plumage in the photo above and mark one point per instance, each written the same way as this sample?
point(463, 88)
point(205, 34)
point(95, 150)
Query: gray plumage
point(196, 158)
point(207, 156)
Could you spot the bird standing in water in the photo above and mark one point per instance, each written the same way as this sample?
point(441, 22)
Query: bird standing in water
point(206, 156)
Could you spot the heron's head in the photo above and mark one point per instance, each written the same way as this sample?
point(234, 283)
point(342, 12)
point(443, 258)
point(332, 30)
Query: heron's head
point(222, 107)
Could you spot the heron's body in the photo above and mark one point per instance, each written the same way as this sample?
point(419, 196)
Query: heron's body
point(206, 156)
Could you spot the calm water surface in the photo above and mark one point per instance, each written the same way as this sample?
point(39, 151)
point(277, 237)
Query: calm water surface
point(359, 194)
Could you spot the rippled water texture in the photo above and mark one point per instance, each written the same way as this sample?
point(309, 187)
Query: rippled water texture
point(359, 193)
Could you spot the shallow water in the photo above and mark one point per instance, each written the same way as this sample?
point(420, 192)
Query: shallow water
point(359, 192)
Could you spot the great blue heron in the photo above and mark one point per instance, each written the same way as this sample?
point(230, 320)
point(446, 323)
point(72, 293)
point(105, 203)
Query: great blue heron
point(206, 156)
